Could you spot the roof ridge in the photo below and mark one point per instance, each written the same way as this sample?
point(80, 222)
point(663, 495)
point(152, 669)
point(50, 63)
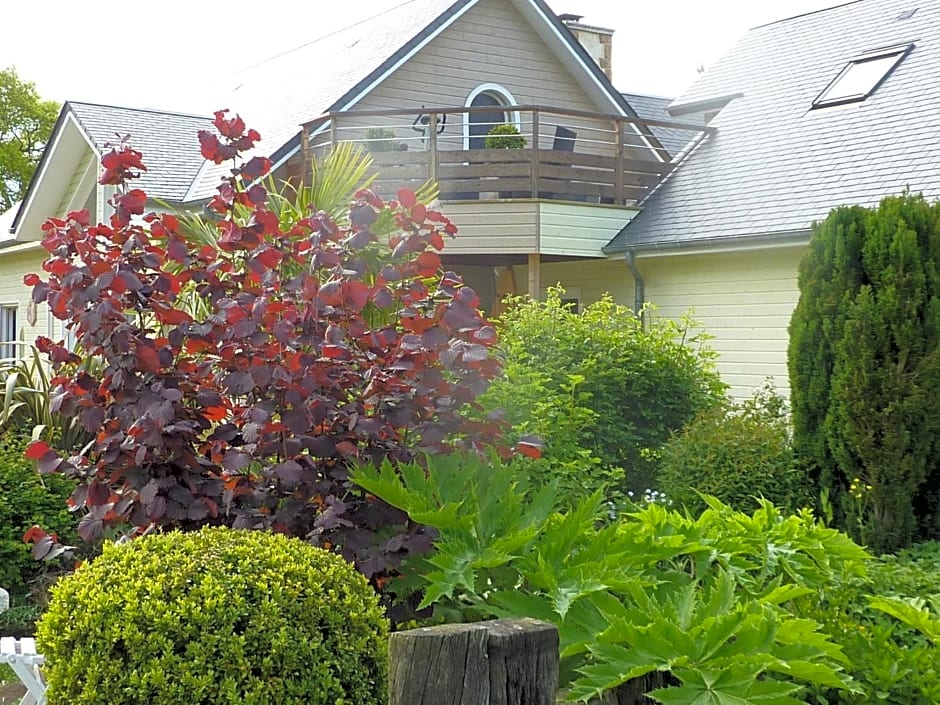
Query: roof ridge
point(647, 95)
point(807, 14)
point(154, 111)
point(265, 60)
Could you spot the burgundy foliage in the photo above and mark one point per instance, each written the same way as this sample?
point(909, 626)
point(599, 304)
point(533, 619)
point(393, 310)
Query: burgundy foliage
point(313, 346)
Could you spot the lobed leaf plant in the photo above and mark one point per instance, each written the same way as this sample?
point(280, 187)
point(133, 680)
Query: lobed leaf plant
point(703, 600)
point(246, 363)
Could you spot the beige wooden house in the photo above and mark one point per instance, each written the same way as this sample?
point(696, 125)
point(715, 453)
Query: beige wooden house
point(432, 77)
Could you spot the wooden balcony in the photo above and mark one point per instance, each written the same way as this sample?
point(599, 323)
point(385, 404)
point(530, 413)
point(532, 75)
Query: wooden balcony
point(573, 182)
point(568, 155)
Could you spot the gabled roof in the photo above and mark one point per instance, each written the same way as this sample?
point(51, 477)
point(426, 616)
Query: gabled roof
point(278, 95)
point(168, 141)
point(652, 107)
point(332, 73)
point(775, 165)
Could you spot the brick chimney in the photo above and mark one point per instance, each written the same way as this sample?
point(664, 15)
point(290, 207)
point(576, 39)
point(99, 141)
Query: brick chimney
point(597, 41)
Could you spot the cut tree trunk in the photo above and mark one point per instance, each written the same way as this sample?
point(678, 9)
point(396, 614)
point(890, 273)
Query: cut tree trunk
point(502, 662)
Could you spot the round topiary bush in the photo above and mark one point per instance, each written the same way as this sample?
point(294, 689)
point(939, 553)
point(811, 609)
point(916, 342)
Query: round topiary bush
point(504, 136)
point(215, 617)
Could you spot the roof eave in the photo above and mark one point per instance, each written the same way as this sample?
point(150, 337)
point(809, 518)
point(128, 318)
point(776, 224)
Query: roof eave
point(782, 238)
point(48, 154)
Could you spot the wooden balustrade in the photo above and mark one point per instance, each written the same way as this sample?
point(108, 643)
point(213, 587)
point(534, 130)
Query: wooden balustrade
point(611, 159)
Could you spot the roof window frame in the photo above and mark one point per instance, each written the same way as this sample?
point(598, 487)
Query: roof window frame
point(897, 51)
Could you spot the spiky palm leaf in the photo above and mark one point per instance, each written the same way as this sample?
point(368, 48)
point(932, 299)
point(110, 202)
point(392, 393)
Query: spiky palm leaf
point(27, 404)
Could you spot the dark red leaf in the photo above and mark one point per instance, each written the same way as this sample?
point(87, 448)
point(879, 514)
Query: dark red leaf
point(419, 213)
point(429, 264)
point(90, 528)
point(407, 198)
point(256, 168)
point(147, 358)
point(98, 494)
point(42, 547)
point(34, 533)
point(288, 471)
point(37, 449)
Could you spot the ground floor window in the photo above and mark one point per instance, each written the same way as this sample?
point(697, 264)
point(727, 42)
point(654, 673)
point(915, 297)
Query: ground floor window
point(8, 331)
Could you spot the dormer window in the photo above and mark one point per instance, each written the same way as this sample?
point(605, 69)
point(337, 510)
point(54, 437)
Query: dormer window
point(862, 76)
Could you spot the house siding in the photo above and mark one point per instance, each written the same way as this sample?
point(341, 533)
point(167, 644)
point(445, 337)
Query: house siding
point(743, 299)
point(13, 266)
point(579, 230)
point(591, 280)
point(493, 227)
point(491, 43)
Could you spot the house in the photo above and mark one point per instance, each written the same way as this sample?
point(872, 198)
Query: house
point(436, 75)
point(67, 180)
point(829, 108)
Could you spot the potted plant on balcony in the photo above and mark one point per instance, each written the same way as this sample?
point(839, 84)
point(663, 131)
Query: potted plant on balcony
point(505, 136)
point(381, 139)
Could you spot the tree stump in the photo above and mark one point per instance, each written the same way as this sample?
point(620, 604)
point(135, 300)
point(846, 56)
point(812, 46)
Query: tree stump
point(502, 662)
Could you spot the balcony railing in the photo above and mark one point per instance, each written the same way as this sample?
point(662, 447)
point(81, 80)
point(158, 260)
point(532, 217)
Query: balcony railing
point(568, 155)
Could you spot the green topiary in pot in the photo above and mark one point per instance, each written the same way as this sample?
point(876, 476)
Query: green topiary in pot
point(215, 617)
point(504, 136)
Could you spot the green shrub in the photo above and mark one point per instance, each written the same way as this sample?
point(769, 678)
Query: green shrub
point(381, 139)
point(891, 662)
point(706, 599)
point(217, 617)
point(864, 368)
point(505, 136)
point(559, 413)
point(737, 454)
point(28, 498)
point(640, 382)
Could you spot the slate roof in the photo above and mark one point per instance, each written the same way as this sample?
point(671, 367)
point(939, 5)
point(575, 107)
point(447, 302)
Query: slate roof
point(168, 142)
point(652, 107)
point(279, 94)
point(774, 166)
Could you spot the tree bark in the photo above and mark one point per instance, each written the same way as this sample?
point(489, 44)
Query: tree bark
point(502, 662)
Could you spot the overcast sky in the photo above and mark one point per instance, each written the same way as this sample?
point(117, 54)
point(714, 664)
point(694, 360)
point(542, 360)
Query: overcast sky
point(188, 50)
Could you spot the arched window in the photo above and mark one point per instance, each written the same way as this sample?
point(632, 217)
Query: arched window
point(494, 98)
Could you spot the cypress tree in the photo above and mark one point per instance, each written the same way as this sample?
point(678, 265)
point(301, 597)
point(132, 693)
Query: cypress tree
point(865, 367)
point(829, 277)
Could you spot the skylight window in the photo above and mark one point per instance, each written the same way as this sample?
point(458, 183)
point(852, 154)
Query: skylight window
point(862, 76)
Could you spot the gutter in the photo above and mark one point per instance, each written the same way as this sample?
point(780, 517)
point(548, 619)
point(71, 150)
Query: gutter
point(20, 245)
point(781, 238)
point(639, 287)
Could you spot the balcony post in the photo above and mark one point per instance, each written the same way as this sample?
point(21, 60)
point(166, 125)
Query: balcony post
point(306, 163)
point(534, 153)
point(619, 196)
point(432, 148)
point(534, 269)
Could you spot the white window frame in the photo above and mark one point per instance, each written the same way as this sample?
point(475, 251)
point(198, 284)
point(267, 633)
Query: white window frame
point(9, 331)
point(830, 95)
point(503, 95)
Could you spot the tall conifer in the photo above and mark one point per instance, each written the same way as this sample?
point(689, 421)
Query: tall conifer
point(865, 367)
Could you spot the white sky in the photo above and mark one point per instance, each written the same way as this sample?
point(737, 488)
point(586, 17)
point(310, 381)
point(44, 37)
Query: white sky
point(156, 54)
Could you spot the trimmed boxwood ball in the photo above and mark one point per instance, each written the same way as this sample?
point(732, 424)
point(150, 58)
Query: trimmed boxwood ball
point(215, 617)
